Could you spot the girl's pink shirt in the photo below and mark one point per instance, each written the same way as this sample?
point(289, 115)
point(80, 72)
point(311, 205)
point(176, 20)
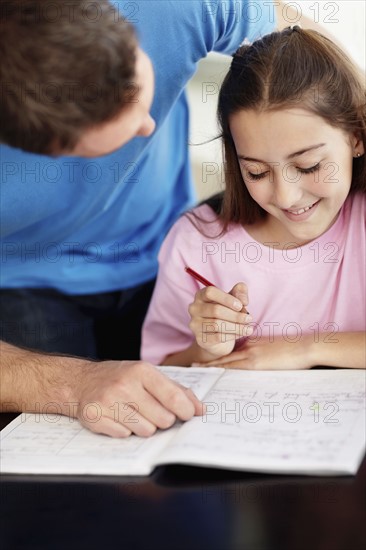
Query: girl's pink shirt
point(318, 288)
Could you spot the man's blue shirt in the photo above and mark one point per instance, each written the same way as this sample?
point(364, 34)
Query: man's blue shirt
point(84, 226)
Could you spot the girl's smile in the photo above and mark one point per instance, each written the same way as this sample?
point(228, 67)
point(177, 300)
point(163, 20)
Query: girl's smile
point(303, 213)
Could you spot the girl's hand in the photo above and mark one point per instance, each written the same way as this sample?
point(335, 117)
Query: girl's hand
point(267, 354)
point(218, 318)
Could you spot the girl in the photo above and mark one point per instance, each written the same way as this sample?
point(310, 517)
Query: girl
point(287, 238)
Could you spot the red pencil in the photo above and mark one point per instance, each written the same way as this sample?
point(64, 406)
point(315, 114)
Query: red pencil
point(198, 277)
point(204, 281)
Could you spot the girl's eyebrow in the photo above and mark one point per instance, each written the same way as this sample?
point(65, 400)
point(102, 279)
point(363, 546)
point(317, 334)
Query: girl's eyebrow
point(292, 155)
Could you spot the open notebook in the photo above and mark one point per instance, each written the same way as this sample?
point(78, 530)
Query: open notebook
point(298, 422)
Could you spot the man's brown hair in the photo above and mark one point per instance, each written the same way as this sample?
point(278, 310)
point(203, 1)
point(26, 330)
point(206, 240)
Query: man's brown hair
point(64, 68)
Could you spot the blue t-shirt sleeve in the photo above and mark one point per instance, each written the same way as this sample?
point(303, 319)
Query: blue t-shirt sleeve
point(189, 29)
point(228, 23)
point(177, 34)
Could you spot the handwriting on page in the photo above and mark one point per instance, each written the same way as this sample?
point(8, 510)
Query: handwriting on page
point(67, 437)
point(198, 379)
point(293, 416)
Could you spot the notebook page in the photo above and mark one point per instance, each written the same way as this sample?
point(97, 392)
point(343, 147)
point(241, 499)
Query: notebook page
point(306, 422)
point(53, 444)
point(199, 379)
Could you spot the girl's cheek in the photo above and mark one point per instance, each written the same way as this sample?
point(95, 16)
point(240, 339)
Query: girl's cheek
point(328, 176)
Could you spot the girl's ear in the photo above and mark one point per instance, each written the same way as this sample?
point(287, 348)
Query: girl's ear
point(357, 145)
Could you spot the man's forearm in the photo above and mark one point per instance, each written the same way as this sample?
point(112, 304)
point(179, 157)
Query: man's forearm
point(32, 380)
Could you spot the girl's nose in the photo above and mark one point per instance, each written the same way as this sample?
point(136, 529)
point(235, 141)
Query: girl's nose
point(286, 191)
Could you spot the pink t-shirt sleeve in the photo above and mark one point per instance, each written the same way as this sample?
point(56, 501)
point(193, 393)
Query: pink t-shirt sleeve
point(166, 327)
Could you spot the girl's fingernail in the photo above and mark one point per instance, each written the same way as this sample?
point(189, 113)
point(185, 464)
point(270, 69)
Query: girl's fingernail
point(195, 364)
point(238, 305)
point(249, 331)
point(248, 318)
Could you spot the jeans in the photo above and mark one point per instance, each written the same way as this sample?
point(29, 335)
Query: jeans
point(95, 326)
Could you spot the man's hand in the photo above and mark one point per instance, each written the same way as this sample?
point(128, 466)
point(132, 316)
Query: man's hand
point(120, 398)
point(116, 398)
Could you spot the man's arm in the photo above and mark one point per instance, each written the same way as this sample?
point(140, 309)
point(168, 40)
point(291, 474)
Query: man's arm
point(116, 398)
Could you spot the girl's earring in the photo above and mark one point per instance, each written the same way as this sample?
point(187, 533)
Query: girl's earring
point(358, 155)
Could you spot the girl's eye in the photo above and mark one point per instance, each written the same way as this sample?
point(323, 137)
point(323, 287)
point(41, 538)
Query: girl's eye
point(256, 176)
point(301, 170)
point(309, 170)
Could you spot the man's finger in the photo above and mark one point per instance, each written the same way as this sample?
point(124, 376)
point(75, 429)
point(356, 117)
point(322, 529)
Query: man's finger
point(170, 395)
point(200, 408)
point(106, 426)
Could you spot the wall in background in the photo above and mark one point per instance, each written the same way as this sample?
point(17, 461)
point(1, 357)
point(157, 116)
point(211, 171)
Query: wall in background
point(345, 19)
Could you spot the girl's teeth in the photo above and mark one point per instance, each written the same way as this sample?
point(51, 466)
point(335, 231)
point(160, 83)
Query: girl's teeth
point(298, 212)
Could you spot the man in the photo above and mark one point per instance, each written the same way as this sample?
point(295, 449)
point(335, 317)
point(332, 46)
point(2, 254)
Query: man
point(95, 170)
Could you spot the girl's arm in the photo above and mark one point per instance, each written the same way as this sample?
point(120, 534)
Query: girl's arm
point(193, 354)
point(345, 350)
point(181, 313)
point(348, 350)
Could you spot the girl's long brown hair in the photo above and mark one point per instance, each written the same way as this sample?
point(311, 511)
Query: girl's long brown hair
point(291, 68)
